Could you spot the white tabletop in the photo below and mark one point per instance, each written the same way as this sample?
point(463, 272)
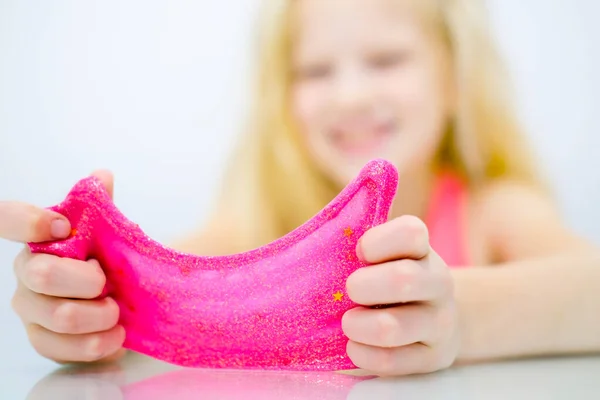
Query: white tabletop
point(138, 378)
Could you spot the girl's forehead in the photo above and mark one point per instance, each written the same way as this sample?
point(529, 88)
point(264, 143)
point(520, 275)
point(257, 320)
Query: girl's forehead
point(322, 13)
point(330, 22)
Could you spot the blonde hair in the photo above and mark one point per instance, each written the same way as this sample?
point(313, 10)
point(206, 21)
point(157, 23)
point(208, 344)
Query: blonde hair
point(272, 185)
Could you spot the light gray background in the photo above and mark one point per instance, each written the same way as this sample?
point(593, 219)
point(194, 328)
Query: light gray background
point(154, 90)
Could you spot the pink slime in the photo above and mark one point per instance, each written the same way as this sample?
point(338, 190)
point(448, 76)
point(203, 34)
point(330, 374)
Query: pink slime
point(275, 307)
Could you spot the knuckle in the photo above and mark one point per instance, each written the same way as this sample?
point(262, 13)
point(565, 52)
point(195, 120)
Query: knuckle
point(37, 340)
point(413, 225)
point(93, 348)
point(21, 259)
point(385, 361)
point(415, 229)
point(398, 226)
point(387, 329)
point(403, 275)
point(37, 224)
point(39, 275)
point(66, 318)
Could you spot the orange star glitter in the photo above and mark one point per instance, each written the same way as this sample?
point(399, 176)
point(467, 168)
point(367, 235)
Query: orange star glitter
point(338, 296)
point(73, 232)
point(348, 232)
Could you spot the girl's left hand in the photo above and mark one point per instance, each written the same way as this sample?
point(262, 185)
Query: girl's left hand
point(418, 333)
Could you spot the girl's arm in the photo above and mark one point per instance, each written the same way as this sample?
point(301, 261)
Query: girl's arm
point(543, 297)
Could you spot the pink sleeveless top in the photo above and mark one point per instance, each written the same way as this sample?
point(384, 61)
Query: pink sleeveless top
point(446, 220)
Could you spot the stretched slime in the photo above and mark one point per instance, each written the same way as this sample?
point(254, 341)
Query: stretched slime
point(276, 307)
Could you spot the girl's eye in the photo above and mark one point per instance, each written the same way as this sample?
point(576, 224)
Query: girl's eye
point(311, 72)
point(388, 59)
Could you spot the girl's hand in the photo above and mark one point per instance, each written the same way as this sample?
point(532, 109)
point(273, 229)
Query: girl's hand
point(417, 332)
point(55, 297)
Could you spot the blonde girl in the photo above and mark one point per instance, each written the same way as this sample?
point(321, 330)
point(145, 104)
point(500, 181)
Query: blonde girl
point(475, 254)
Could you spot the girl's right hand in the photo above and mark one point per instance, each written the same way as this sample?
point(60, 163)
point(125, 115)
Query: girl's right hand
point(56, 297)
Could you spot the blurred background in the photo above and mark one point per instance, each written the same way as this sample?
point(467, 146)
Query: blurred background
point(156, 92)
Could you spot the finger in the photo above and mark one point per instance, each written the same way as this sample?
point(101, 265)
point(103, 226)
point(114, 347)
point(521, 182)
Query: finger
point(403, 237)
point(415, 358)
point(21, 259)
point(107, 179)
point(76, 348)
point(21, 222)
point(391, 327)
point(398, 282)
point(65, 315)
point(60, 277)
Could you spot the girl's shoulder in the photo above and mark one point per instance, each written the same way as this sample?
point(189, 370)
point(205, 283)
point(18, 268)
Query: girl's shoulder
point(510, 220)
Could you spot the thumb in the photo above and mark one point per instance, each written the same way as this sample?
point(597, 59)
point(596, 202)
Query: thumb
point(107, 179)
point(22, 222)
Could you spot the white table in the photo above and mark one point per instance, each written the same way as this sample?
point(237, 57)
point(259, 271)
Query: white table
point(138, 378)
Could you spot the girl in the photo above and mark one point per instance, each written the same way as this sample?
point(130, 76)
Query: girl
point(340, 82)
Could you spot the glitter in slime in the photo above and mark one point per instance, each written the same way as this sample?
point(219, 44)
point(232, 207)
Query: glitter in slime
point(277, 307)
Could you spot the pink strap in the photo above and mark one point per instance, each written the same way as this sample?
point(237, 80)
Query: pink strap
point(446, 220)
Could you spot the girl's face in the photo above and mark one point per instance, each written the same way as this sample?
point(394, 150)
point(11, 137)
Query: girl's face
point(369, 81)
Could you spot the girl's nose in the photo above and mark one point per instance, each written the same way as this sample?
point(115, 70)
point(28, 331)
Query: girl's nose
point(352, 90)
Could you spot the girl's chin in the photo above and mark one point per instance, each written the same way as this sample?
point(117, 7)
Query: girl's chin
point(370, 151)
point(358, 160)
point(342, 171)
point(343, 167)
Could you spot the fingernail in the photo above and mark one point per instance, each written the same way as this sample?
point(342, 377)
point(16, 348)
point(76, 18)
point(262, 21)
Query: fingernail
point(59, 228)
